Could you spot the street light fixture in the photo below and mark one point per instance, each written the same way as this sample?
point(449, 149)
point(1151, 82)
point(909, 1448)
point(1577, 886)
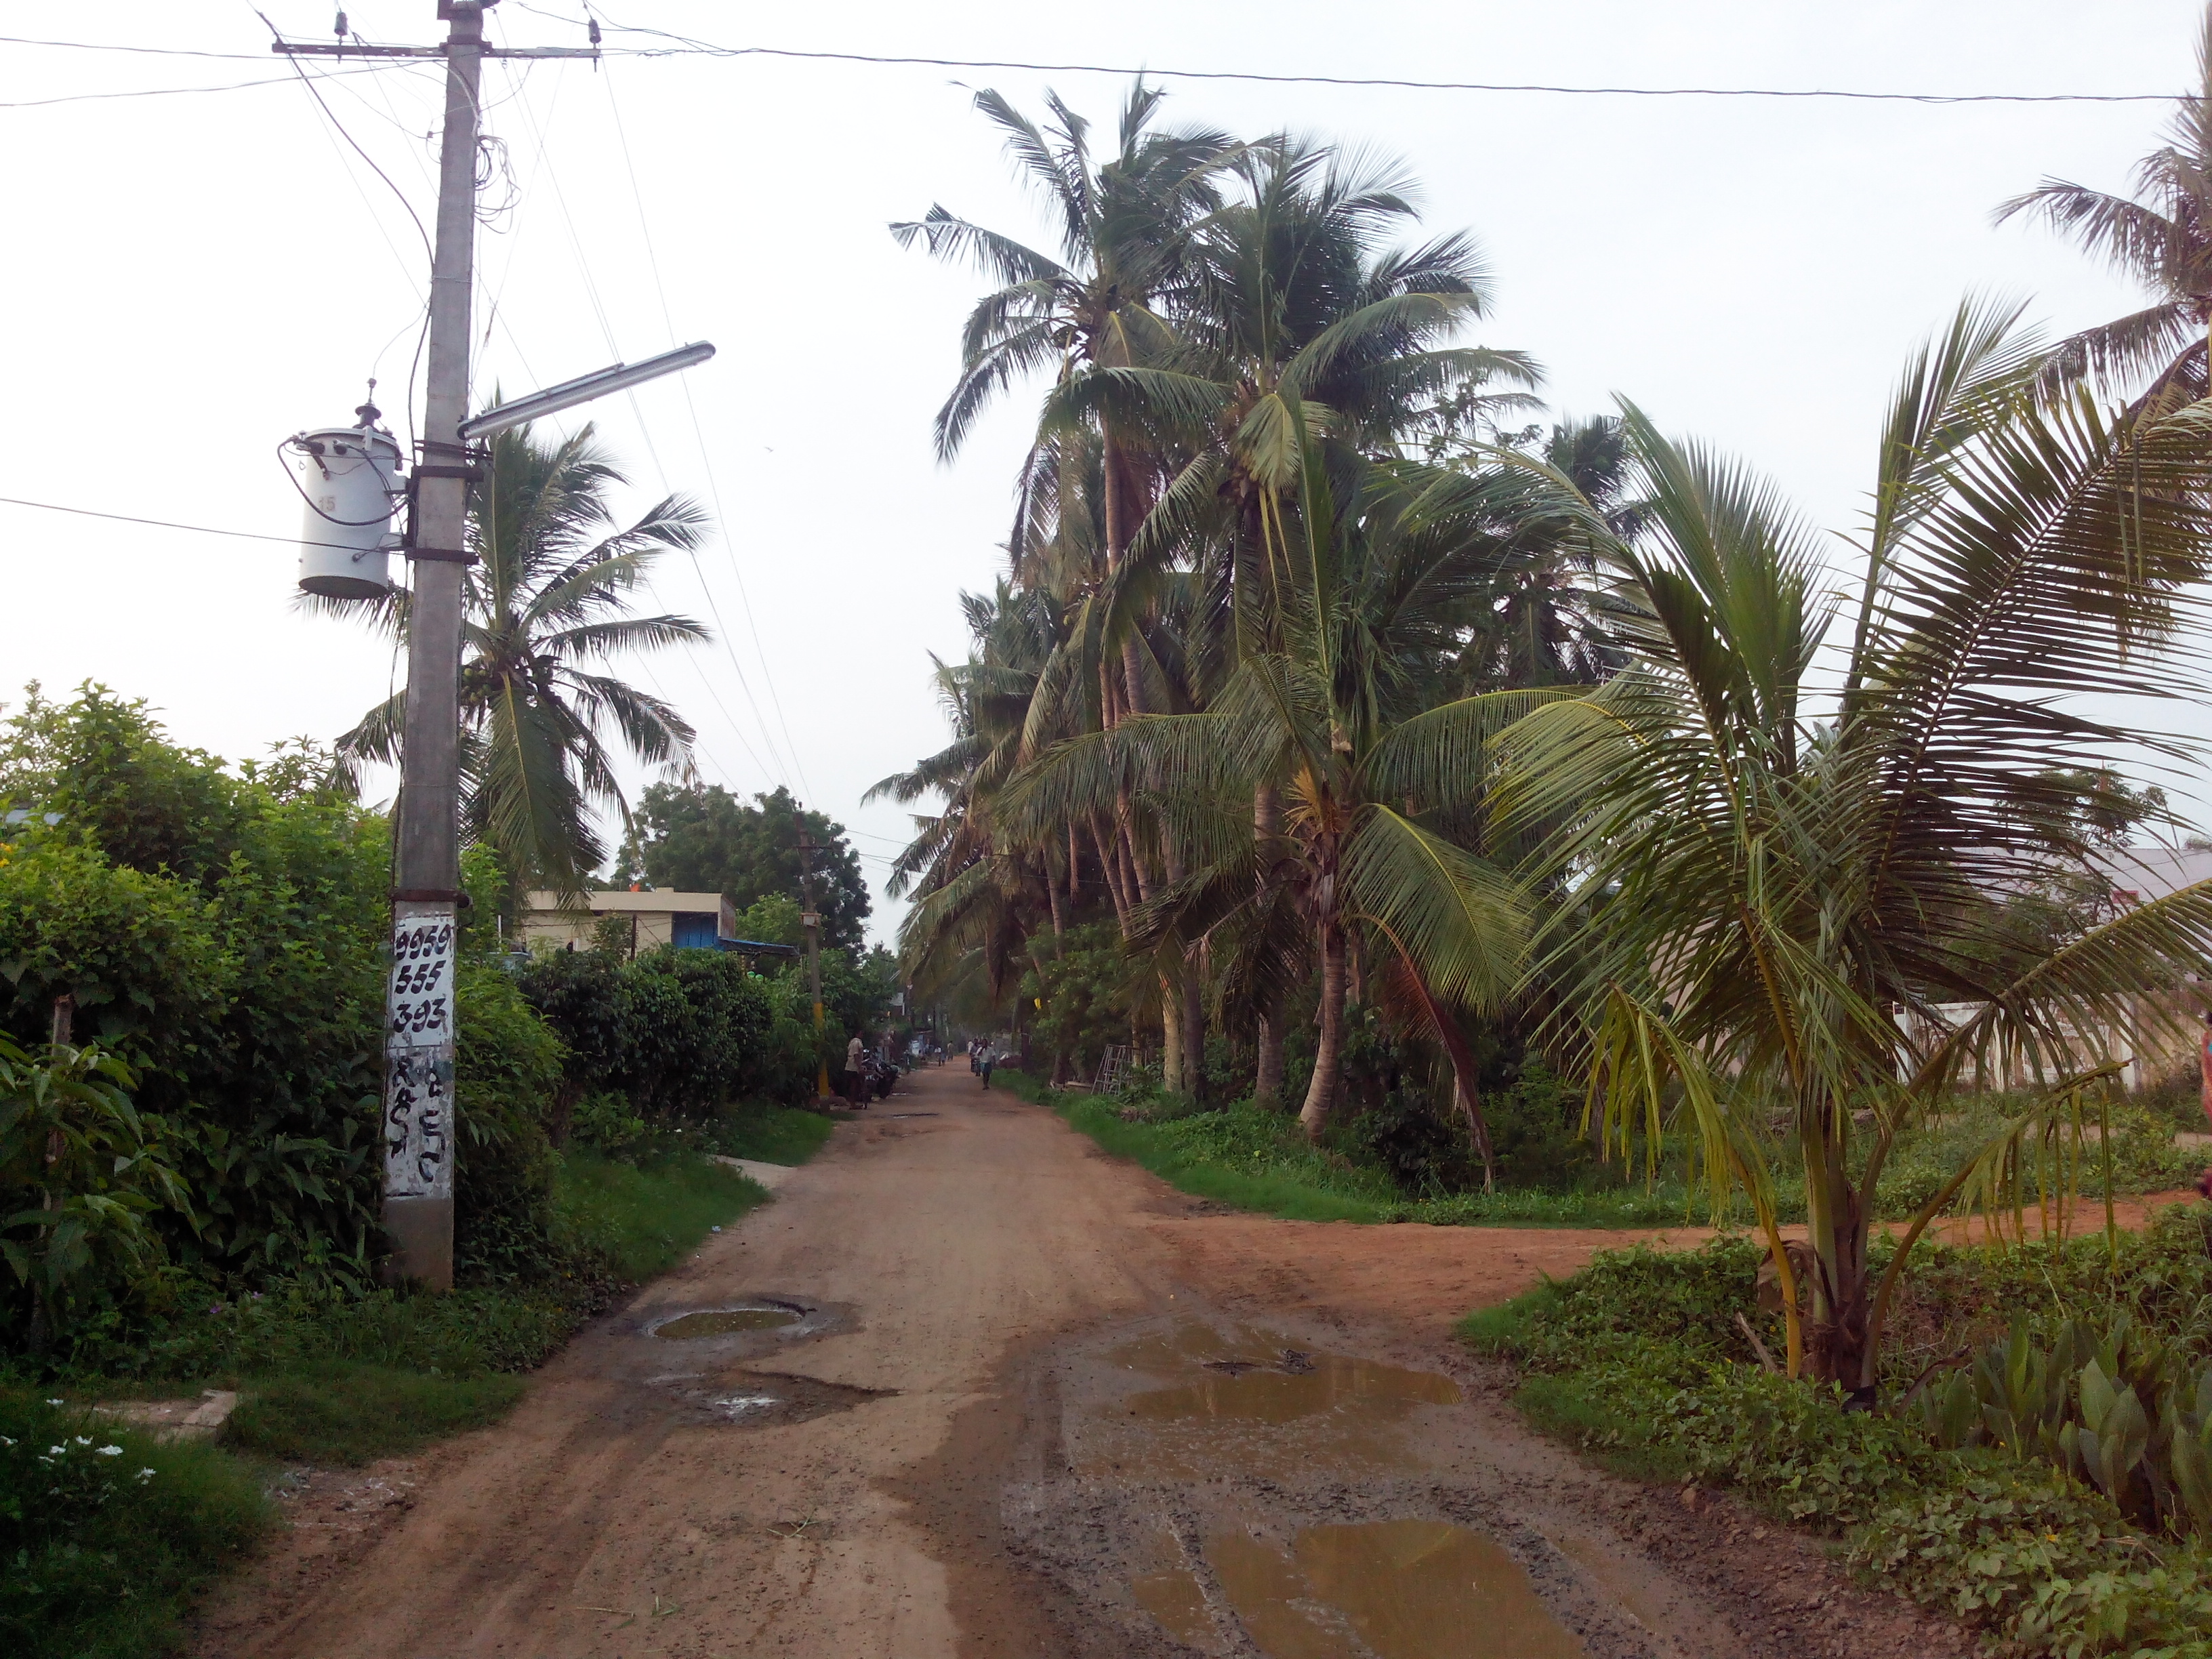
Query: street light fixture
point(582, 390)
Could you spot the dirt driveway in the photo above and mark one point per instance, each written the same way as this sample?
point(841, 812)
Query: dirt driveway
point(978, 1391)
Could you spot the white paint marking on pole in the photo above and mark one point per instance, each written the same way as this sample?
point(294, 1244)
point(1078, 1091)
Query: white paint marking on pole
point(418, 1053)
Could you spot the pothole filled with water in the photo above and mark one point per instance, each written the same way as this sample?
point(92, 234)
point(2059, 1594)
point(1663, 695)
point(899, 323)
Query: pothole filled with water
point(1249, 1400)
point(1394, 1589)
point(755, 1400)
point(726, 1322)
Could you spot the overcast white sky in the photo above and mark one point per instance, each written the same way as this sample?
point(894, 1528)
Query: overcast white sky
point(192, 278)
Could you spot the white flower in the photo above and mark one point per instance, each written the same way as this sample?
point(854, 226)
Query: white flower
point(145, 1474)
point(84, 1440)
point(110, 1451)
point(56, 1451)
point(53, 1403)
point(5, 1441)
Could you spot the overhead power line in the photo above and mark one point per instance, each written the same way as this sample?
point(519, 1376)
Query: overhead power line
point(172, 92)
point(168, 523)
point(687, 45)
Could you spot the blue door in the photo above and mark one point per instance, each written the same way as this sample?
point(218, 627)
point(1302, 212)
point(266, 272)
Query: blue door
point(694, 931)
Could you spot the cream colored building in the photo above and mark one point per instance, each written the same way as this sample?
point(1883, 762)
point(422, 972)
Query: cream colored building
point(704, 921)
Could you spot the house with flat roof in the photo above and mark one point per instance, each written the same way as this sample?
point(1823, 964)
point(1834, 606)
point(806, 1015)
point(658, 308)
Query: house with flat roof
point(699, 921)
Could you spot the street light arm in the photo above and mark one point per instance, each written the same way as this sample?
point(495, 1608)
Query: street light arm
point(582, 390)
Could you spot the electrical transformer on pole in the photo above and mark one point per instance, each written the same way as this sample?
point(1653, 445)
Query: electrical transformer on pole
point(343, 555)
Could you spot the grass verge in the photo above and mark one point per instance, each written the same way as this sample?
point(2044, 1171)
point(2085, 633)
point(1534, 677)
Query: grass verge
point(641, 1219)
point(769, 1135)
point(1260, 1161)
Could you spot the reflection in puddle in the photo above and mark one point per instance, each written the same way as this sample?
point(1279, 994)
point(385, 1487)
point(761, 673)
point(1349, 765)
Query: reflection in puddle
point(1177, 1606)
point(1398, 1590)
point(1423, 1589)
point(723, 1322)
point(1250, 1401)
point(739, 1404)
point(1273, 1602)
point(1261, 1394)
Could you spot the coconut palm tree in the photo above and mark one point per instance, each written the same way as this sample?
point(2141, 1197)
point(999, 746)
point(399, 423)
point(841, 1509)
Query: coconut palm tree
point(1771, 876)
point(1545, 623)
point(1124, 227)
point(2162, 237)
point(1381, 559)
point(547, 604)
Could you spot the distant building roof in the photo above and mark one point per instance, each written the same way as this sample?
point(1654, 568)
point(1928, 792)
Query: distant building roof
point(622, 901)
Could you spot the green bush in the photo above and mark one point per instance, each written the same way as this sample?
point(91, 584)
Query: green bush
point(71, 1140)
point(106, 1534)
point(507, 1066)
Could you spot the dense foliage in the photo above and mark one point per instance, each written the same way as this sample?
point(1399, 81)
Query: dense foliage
point(206, 1130)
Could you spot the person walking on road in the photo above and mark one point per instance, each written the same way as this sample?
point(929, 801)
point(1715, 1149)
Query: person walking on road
point(986, 1061)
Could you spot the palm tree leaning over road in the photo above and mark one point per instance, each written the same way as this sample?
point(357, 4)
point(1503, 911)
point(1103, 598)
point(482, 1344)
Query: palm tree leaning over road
point(1770, 883)
point(550, 601)
point(2162, 238)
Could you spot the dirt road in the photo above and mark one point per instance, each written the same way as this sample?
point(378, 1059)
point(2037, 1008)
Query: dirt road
point(976, 1391)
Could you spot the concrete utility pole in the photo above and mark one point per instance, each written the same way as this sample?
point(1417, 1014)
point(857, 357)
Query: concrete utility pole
point(811, 920)
point(419, 1105)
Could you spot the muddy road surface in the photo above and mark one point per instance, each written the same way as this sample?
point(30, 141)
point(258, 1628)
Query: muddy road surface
point(969, 1389)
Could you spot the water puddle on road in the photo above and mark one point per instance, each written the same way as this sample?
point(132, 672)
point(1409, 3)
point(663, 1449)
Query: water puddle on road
point(726, 1322)
point(1249, 1400)
point(1394, 1590)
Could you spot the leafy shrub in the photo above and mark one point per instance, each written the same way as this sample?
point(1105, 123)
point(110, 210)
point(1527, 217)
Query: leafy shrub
point(142, 955)
point(507, 1066)
point(2046, 1566)
point(605, 1123)
point(70, 1138)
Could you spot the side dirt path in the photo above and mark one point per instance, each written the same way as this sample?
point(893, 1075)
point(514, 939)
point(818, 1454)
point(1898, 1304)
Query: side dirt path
point(977, 1390)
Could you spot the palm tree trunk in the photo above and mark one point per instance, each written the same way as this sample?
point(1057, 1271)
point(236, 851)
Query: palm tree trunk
point(1171, 1067)
point(1320, 1093)
point(1110, 866)
point(1058, 907)
point(1122, 515)
point(1194, 1022)
point(1268, 1083)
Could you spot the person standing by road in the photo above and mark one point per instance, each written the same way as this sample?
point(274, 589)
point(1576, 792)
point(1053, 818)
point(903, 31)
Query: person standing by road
point(855, 1077)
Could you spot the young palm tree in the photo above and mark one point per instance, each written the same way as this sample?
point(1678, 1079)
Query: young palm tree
point(2164, 241)
point(550, 601)
point(1773, 876)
